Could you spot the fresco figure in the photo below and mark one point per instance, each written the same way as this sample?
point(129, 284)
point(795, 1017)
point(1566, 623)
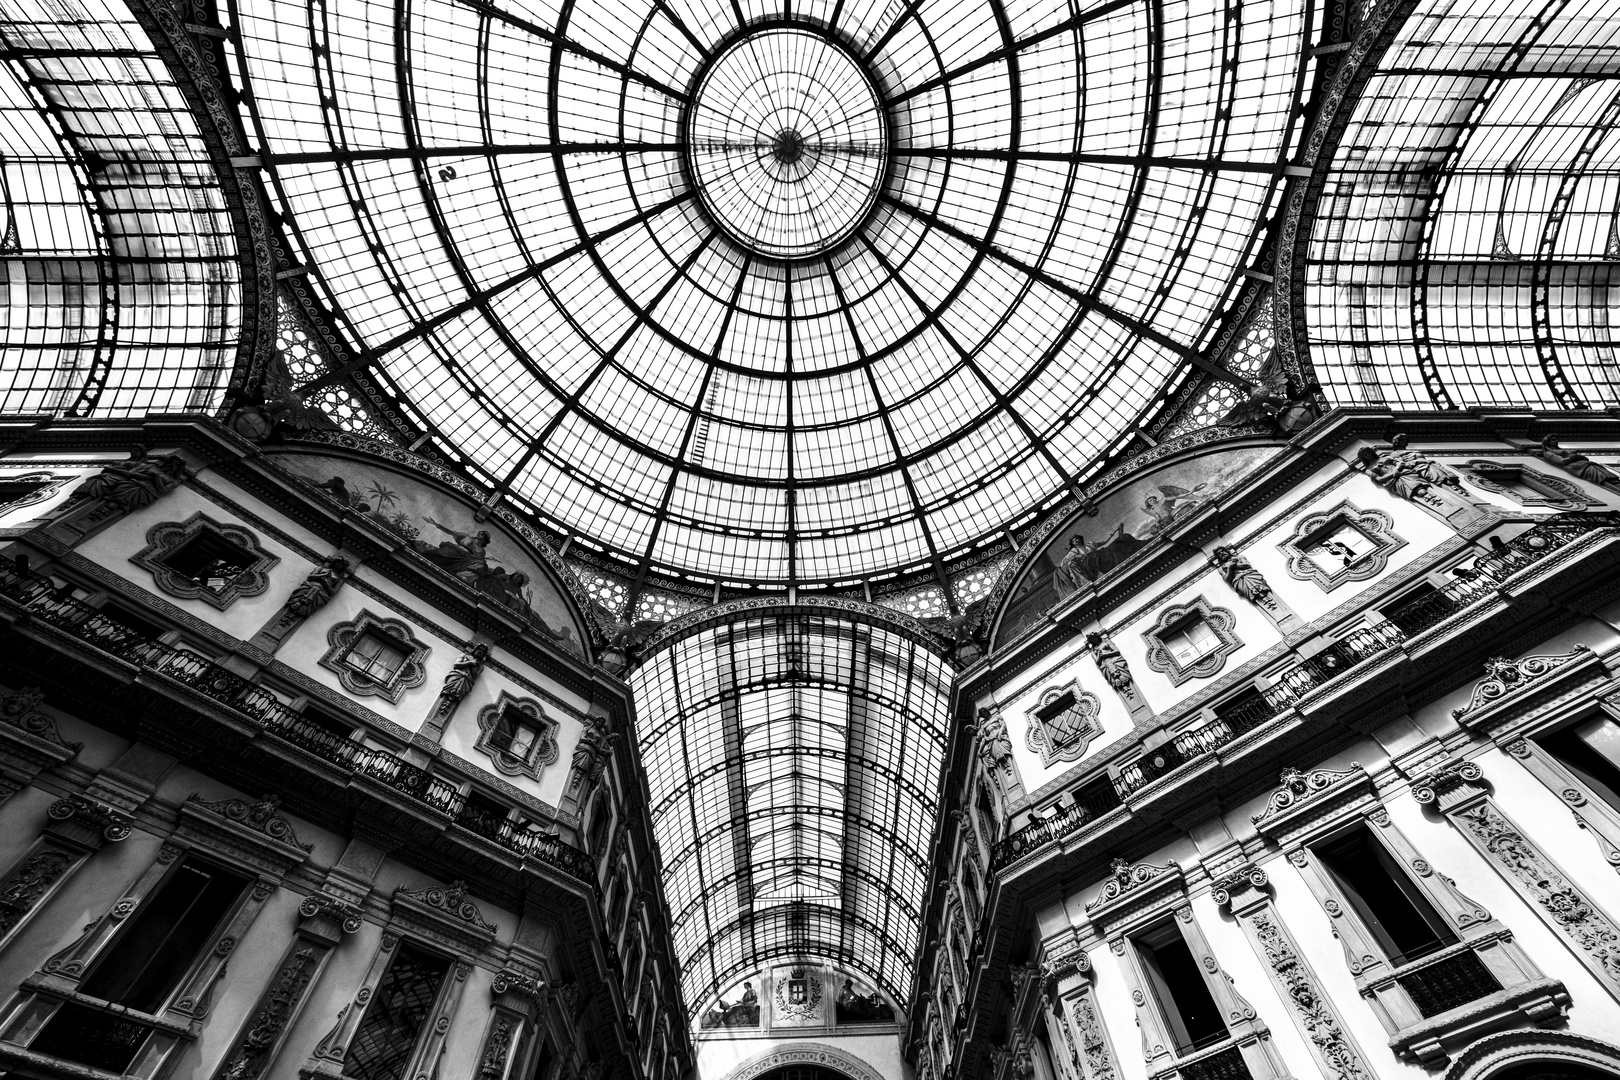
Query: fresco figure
point(1085, 562)
point(1170, 504)
point(857, 1008)
point(744, 1012)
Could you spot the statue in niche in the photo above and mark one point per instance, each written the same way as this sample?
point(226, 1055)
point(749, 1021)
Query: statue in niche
point(1574, 463)
point(1110, 662)
point(132, 484)
point(1241, 575)
point(463, 673)
point(744, 1012)
point(857, 1008)
point(320, 586)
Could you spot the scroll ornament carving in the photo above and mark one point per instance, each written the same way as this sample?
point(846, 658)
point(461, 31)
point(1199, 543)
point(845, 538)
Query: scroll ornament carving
point(112, 824)
point(319, 587)
point(1318, 1019)
point(452, 901)
point(508, 981)
point(1446, 779)
point(1127, 877)
point(261, 817)
point(1583, 924)
point(286, 990)
point(1243, 878)
point(1099, 1061)
point(24, 887)
point(21, 710)
point(1504, 676)
point(1298, 787)
point(346, 915)
point(500, 1041)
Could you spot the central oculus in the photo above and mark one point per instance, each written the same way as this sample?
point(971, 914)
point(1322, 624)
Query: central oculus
point(787, 142)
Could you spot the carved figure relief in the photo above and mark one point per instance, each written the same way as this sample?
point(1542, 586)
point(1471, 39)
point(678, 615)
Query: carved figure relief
point(138, 482)
point(375, 656)
point(1191, 641)
point(1343, 544)
point(459, 683)
point(1063, 723)
point(203, 559)
point(320, 586)
point(1574, 462)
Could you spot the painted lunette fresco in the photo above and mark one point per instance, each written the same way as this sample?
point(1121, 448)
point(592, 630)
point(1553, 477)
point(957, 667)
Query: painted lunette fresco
point(1085, 549)
point(441, 529)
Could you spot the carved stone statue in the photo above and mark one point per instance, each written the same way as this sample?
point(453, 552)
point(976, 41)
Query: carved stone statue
point(463, 673)
point(138, 482)
point(1110, 662)
point(1574, 463)
point(591, 756)
point(1241, 575)
point(320, 586)
point(995, 748)
point(1406, 473)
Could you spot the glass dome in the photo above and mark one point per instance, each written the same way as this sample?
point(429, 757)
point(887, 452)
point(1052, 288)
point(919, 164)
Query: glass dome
point(774, 293)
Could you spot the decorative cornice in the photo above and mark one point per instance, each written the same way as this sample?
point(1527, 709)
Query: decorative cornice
point(1504, 677)
point(1132, 882)
point(261, 817)
point(448, 905)
point(20, 709)
point(1299, 788)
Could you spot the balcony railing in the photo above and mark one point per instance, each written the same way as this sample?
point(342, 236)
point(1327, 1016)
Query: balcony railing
point(1350, 651)
point(264, 709)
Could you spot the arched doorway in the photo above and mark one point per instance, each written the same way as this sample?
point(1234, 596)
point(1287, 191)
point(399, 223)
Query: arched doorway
point(807, 1072)
point(1554, 1070)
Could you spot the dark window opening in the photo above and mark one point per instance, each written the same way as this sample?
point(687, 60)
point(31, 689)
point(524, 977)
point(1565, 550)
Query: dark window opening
point(1577, 749)
point(210, 560)
point(1409, 621)
point(143, 966)
point(482, 815)
point(601, 818)
point(12, 491)
point(987, 813)
point(1177, 982)
point(542, 1060)
point(376, 656)
point(383, 1045)
point(1394, 910)
point(1245, 711)
point(515, 733)
point(137, 624)
point(1054, 709)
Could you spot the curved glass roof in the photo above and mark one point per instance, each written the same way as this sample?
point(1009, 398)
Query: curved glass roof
point(1463, 247)
point(124, 289)
point(799, 292)
point(793, 763)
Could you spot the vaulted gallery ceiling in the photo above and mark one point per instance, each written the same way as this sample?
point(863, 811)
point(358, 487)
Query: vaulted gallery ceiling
point(819, 293)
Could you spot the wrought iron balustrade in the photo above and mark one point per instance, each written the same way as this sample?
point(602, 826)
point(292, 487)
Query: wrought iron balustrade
point(48, 604)
point(1226, 1065)
point(1348, 652)
point(1446, 984)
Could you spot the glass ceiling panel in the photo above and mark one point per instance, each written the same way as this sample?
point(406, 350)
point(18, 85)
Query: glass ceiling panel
point(698, 257)
point(792, 763)
point(109, 195)
point(1464, 249)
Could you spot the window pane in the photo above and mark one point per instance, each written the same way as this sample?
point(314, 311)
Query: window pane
point(387, 1037)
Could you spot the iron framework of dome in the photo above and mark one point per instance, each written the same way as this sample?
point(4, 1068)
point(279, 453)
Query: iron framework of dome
point(792, 294)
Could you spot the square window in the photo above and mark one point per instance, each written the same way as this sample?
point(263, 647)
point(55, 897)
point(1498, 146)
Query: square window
point(1191, 639)
point(1340, 546)
point(376, 656)
point(210, 561)
point(514, 734)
